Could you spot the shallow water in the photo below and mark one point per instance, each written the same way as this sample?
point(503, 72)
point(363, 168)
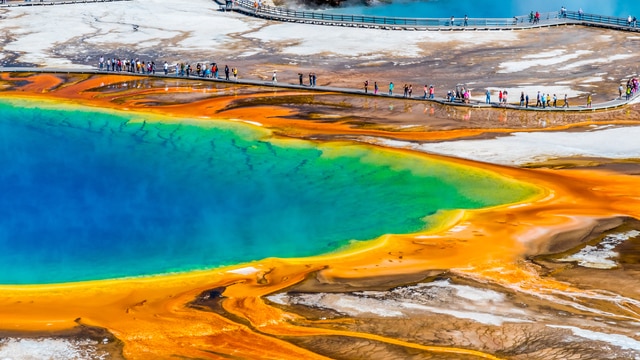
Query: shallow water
point(485, 9)
point(93, 195)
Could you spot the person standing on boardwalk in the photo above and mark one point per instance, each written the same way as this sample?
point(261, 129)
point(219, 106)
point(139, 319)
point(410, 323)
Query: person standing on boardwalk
point(366, 86)
point(432, 92)
point(566, 101)
point(487, 97)
point(548, 100)
point(226, 72)
point(375, 88)
point(538, 103)
point(466, 20)
point(500, 98)
point(274, 78)
point(589, 101)
point(521, 98)
point(390, 89)
point(235, 74)
point(555, 101)
point(300, 78)
point(620, 89)
point(410, 91)
point(166, 68)
point(426, 89)
point(451, 21)
point(526, 101)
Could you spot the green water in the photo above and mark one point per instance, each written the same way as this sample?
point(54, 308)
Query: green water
point(96, 194)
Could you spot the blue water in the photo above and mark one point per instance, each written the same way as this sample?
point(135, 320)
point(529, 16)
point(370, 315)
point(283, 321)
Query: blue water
point(487, 8)
point(95, 195)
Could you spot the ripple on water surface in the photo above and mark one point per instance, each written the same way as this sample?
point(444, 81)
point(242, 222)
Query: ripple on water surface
point(98, 194)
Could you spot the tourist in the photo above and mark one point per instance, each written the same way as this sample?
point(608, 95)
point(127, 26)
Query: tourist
point(410, 90)
point(366, 86)
point(543, 100)
point(314, 78)
point(526, 101)
point(406, 90)
point(504, 97)
point(521, 98)
point(426, 91)
point(629, 19)
point(432, 92)
point(538, 98)
point(310, 79)
point(589, 101)
point(390, 89)
point(235, 74)
point(451, 21)
point(274, 78)
point(166, 68)
point(300, 78)
point(101, 62)
point(500, 97)
point(548, 100)
point(466, 20)
point(487, 97)
point(620, 90)
point(580, 14)
point(226, 72)
point(555, 101)
point(566, 101)
point(375, 87)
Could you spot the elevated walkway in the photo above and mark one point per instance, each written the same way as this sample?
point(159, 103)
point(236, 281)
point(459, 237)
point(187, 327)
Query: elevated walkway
point(247, 7)
point(607, 105)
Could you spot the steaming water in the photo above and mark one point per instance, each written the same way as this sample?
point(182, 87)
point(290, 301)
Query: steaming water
point(92, 194)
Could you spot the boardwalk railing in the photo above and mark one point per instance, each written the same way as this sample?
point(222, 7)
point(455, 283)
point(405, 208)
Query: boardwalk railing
point(517, 22)
point(284, 14)
point(598, 19)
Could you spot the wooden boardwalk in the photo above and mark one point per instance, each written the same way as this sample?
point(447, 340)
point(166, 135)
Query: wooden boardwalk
point(522, 22)
point(602, 106)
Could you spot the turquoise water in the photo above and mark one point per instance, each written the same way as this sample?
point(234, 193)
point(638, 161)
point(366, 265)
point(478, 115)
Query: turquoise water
point(485, 9)
point(96, 195)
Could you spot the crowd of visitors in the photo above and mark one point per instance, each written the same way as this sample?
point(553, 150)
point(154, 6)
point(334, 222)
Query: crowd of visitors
point(460, 93)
